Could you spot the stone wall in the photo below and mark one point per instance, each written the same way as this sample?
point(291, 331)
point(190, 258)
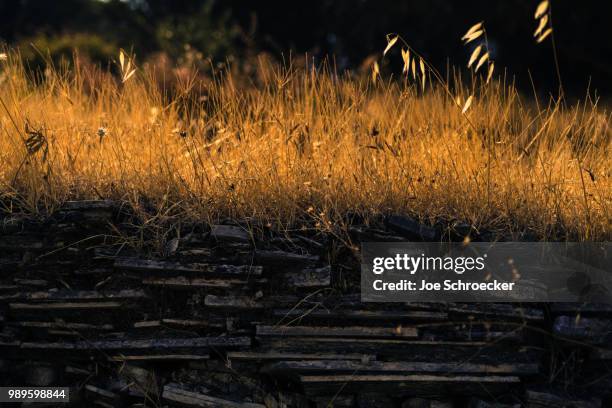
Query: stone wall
point(216, 316)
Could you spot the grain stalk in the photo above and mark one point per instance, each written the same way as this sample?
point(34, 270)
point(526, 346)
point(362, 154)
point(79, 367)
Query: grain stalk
point(543, 16)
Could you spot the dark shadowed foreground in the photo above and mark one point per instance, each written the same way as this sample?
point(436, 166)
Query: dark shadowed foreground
point(231, 316)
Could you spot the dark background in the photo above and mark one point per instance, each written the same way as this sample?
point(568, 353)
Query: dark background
point(192, 32)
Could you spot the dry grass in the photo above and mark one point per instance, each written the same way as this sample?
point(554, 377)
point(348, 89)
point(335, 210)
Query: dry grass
point(305, 143)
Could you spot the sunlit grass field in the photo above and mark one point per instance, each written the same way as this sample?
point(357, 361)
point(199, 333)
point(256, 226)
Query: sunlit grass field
point(291, 145)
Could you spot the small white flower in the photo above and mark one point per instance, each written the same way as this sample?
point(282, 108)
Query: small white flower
point(3, 56)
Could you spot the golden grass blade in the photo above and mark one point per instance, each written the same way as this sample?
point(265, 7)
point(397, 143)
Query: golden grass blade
point(541, 9)
point(482, 60)
point(129, 75)
point(541, 26)
point(474, 55)
point(543, 36)
point(472, 30)
point(390, 43)
point(413, 68)
point(473, 36)
point(423, 75)
point(406, 59)
point(467, 105)
point(490, 73)
point(121, 59)
point(375, 72)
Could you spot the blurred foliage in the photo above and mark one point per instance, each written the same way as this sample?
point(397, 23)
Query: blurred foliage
point(194, 31)
point(195, 37)
point(61, 48)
